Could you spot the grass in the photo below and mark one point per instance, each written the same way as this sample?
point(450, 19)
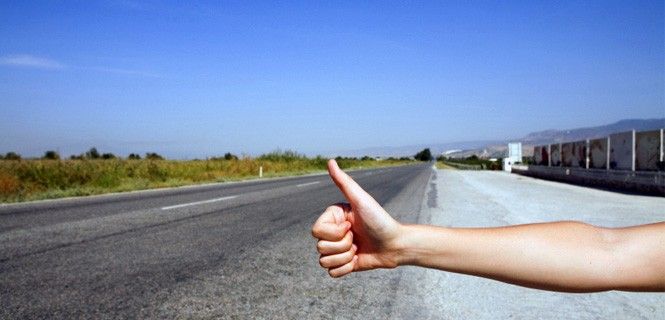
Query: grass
point(443, 165)
point(47, 179)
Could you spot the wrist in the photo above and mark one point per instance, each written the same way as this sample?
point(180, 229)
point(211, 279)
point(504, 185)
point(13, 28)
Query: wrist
point(406, 245)
point(416, 243)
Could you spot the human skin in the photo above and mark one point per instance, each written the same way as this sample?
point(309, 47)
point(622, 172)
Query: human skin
point(565, 256)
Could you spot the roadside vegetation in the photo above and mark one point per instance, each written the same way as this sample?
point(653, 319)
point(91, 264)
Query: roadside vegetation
point(96, 173)
point(468, 163)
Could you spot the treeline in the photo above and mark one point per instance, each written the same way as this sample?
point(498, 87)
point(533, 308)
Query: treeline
point(92, 154)
point(278, 155)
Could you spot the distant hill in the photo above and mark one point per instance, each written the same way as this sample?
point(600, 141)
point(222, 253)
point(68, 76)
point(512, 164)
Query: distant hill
point(553, 136)
point(497, 148)
point(410, 150)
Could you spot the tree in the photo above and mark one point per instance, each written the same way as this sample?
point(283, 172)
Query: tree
point(134, 156)
point(230, 156)
point(153, 156)
point(108, 156)
point(92, 153)
point(51, 155)
point(424, 155)
point(12, 156)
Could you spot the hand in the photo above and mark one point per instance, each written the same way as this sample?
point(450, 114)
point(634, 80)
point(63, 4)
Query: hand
point(358, 235)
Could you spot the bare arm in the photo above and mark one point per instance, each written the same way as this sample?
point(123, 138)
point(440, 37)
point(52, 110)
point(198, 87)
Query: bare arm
point(558, 256)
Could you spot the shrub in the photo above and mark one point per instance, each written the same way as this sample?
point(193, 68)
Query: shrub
point(51, 155)
point(108, 156)
point(134, 156)
point(285, 156)
point(92, 153)
point(153, 156)
point(12, 156)
point(230, 156)
point(424, 155)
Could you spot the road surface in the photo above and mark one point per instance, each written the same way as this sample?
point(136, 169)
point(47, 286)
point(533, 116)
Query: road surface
point(139, 254)
point(244, 250)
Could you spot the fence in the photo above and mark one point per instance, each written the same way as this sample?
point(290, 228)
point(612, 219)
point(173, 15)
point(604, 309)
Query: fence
point(624, 151)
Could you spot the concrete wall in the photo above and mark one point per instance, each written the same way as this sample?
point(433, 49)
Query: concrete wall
point(647, 150)
point(579, 158)
point(555, 155)
point(567, 154)
point(598, 153)
point(632, 151)
point(621, 151)
point(644, 182)
point(541, 155)
point(629, 161)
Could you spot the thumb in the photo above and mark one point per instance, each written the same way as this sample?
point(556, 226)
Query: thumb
point(351, 190)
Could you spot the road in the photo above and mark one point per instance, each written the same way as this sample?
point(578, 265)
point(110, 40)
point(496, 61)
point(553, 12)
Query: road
point(244, 250)
point(145, 254)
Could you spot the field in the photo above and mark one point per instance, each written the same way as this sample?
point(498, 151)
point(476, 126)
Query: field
point(23, 180)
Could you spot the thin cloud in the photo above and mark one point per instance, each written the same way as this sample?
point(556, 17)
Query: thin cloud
point(30, 61)
point(128, 72)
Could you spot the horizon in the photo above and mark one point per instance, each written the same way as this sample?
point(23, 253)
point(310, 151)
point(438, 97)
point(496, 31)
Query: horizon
point(199, 80)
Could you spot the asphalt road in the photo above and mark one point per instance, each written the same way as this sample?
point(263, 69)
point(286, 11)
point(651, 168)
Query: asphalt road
point(225, 250)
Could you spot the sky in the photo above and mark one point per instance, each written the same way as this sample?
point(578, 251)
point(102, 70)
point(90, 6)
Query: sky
point(192, 80)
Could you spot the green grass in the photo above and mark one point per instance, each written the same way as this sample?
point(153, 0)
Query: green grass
point(46, 179)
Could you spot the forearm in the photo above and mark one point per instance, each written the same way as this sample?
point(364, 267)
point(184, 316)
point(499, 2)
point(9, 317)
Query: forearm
point(562, 256)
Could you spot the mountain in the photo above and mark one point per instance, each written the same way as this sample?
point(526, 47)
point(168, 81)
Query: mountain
point(553, 136)
point(497, 148)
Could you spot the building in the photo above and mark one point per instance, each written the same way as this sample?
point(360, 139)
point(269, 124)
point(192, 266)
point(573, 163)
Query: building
point(514, 155)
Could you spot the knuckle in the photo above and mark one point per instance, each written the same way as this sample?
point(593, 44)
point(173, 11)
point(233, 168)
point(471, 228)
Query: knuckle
point(316, 230)
point(322, 263)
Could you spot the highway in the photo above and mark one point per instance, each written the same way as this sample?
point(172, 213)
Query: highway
point(244, 251)
point(147, 254)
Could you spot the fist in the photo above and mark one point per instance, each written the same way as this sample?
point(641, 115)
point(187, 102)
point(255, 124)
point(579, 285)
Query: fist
point(338, 252)
point(355, 236)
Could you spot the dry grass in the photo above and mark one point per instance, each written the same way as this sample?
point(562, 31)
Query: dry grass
point(42, 179)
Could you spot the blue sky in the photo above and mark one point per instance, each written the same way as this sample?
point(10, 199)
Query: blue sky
point(197, 80)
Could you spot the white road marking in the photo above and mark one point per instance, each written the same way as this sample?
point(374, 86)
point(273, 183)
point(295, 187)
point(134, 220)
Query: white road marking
point(198, 202)
point(307, 184)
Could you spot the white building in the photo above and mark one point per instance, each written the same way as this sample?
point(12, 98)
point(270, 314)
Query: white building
point(514, 155)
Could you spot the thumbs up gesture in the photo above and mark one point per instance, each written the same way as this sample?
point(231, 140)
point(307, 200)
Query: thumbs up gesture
point(358, 235)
